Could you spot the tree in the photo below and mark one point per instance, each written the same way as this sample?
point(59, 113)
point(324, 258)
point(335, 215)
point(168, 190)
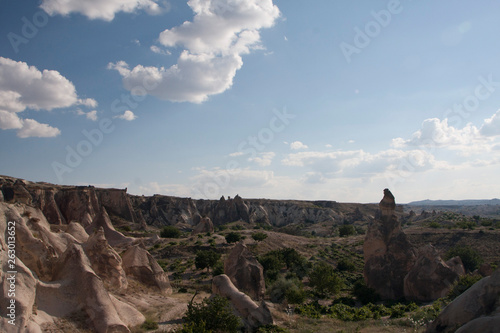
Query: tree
point(211, 315)
point(170, 232)
point(324, 280)
point(470, 257)
point(206, 259)
point(347, 230)
point(259, 236)
point(233, 237)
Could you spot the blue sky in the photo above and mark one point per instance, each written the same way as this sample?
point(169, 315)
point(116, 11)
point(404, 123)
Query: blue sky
point(323, 99)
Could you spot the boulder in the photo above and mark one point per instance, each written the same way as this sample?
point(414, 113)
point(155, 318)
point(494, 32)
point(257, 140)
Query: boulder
point(140, 264)
point(476, 310)
point(105, 261)
point(430, 278)
point(245, 272)
point(205, 225)
point(388, 253)
point(252, 314)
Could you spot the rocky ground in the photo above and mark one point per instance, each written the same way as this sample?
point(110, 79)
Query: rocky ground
point(113, 240)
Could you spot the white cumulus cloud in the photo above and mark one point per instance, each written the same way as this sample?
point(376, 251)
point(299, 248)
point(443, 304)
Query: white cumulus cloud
point(127, 115)
point(25, 87)
point(102, 9)
point(296, 145)
point(213, 44)
point(263, 159)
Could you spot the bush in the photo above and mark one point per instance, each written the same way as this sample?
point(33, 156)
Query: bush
point(462, 284)
point(149, 325)
point(233, 237)
point(324, 280)
point(363, 293)
point(206, 259)
point(211, 315)
point(287, 289)
point(170, 232)
point(346, 265)
point(346, 230)
point(470, 257)
point(271, 329)
point(259, 236)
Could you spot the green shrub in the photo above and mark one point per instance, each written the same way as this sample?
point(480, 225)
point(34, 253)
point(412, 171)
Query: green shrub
point(170, 232)
point(347, 230)
point(462, 284)
point(346, 265)
point(149, 325)
point(271, 329)
point(287, 289)
point(434, 225)
point(233, 237)
point(259, 236)
point(211, 315)
point(206, 259)
point(470, 257)
point(324, 280)
point(363, 293)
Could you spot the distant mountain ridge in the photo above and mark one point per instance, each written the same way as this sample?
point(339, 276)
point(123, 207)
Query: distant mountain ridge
point(455, 202)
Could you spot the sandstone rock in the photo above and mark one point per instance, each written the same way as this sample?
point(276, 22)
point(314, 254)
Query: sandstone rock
point(117, 203)
point(105, 261)
point(245, 272)
point(430, 278)
point(485, 270)
point(32, 251)
point(115, 238)
point(476, 310)
point(205, 225)
point(389, 255)
point(388, 204)
point(44, 199)
point(25, 287)
point(76, 230)
point(138, 263)
point(456, 265)
point(78, 204)
point(76, 287)
point(252, 315)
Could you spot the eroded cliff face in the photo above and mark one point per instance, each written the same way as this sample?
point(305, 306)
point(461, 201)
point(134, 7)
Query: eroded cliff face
point(64, 204)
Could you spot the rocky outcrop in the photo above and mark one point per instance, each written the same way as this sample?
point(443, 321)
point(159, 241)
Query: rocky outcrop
point(105, 262)
point(205, 225)
point(430, 278)
point(245, 272)
point(252, 314)
point(389, 255)
point(139, 264)
point(61, 271)
point(394, 267)
point(476, 310)
point(115, 238)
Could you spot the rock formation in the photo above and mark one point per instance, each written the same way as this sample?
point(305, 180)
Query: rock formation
point(476, 310)
point(252, 315)
point(205, 225)
point(392, 266)
point(245, 272)
point(115, 238)
point(138, 263)
point(430, 278)
point(105, 262)
point(389, 255)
